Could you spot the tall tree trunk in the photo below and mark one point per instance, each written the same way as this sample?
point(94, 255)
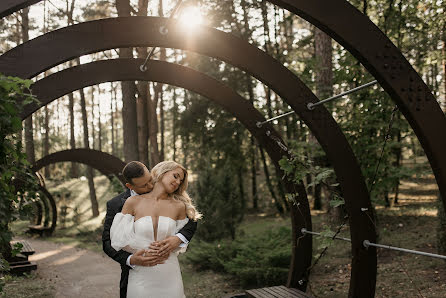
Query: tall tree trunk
point(162, 126)
point(74, 169)
point(29, 140)
point(185, 138)
point(397, 164)
point(247, 30)
point(142, 100)
point(29, 134)
point(441, 230)
point(266, 36)
point(141, 104)
point(324, 88)
point(153, 125)
point(277, 203)
point(249, 85)
point(89, 174)
point(253, 150)
point(46, 140)
point(444, 69)
point(99, 121)
point(174, 123)
point(93, 127)
point(128, 89)
point(255, 198)
point(112, 119)
point(163, 55)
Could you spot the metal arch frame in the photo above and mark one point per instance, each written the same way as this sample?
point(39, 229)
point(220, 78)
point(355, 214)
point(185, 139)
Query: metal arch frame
point(98, 72)
point(8, 7)
point(106, 163)
point(370, 46)
point(361, 37)
point(381, 58)
point(53, 207)
point(64, 44)
point(103, 162)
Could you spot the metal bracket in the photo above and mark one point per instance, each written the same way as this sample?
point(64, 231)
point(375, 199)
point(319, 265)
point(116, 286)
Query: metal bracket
point(163, 30)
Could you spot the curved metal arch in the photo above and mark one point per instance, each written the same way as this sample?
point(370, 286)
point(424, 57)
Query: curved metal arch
point(8, 7)
point(370, 46)
point(379, 55)
point(53, 207)
point(105, 163)
point(361, 37)
point(98, 72)
point(66, 43)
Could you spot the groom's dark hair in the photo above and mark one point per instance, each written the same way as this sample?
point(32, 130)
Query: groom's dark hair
point(133, 169)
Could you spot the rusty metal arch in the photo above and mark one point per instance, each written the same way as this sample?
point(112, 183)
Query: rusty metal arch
point(98, 72)
point(105, 163)
point(64, 44)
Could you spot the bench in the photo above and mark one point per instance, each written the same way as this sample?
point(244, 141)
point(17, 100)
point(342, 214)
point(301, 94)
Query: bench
point(40, 230)
point(278, 291)
point(20, 263)
point(27, 250)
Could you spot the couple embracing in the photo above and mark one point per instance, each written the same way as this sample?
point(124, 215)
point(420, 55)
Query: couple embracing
point(147, 226)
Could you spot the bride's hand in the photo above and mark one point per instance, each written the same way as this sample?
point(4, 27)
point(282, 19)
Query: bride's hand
point(147, 258)
point(166, 246)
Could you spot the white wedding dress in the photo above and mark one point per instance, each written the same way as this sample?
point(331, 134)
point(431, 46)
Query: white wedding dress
point(162, 280)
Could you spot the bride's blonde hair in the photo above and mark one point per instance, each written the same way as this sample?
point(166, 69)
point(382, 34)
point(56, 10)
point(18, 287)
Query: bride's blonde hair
point(180, 194)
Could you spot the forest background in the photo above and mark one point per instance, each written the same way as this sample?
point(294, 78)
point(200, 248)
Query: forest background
point(232, 179)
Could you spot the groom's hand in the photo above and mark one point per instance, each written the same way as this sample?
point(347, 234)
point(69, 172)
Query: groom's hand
point(146, 258)
point(166, 246)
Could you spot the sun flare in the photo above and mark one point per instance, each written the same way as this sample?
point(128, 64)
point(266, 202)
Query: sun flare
point(191, 16)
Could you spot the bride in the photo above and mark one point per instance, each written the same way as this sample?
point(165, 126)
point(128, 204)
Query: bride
point(150, 218)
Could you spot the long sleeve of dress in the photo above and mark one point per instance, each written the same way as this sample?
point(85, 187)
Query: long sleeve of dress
point(122, 232)
point(119, 256)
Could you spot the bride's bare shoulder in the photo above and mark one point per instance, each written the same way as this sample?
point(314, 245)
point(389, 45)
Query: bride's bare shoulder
point(130, 205)
point(180, 207)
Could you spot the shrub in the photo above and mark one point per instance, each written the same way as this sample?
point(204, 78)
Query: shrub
point(256, 260)
point(17, 182)
point(219, 202)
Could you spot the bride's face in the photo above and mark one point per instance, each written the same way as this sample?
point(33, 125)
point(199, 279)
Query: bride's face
point(172, 180)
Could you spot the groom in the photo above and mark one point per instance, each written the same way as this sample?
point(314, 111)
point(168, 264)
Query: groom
point(139, 181)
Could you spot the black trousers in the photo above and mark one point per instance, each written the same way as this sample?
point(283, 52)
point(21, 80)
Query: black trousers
point(123, 282)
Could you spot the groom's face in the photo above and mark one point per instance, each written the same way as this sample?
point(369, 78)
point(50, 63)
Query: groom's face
point(142, 184)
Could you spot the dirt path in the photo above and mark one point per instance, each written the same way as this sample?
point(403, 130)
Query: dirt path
point(75, 272)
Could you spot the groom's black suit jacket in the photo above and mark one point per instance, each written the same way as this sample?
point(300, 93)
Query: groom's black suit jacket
point(115, 206)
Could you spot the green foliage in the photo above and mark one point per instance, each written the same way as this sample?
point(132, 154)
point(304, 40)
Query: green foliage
point(214, 147)
point(2, 280)
point(325, 238)
point(17, 248)
point(337, 201)
point(414, 27)
point(17, 182)
point(211, 255)
point(219, 202)
point(116, 185)
point(256, 260)
point(299, 166)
